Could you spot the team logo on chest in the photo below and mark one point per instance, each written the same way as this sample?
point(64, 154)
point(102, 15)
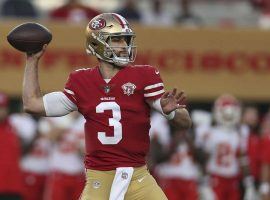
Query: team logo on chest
point(128, 88)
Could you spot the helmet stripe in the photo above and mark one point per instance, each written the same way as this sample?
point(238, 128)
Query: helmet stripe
point(119, 18)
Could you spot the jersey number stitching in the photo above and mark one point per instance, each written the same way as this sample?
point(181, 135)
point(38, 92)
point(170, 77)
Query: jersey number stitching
point(114, 121)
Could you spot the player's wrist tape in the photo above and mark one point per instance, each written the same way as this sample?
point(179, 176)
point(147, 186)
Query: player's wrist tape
point(169, 116)
point(157, 105)
point(264, 188)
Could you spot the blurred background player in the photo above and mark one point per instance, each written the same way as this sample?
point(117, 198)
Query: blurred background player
point(186, 17)
point(65, 163)
point(35, 150)
point(35, 166)
point(156, 15)
point(264, 17)
point(250, 127)
point(11, 184)
point(201, 124)
point(264, 188)
point(160, 136)
point(178, 176)
point(130, 11)
point(223, 145)
point(19, 8)
point(73, 11)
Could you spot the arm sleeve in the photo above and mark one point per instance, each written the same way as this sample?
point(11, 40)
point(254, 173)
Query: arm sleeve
point(155, 104)
point(154, 87)
point(58, 104)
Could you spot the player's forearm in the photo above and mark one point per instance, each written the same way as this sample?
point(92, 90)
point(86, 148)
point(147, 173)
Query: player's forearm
point(181, 119)
point(31, 94)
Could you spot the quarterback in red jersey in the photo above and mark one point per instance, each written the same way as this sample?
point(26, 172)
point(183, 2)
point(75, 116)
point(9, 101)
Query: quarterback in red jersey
point(115, 98)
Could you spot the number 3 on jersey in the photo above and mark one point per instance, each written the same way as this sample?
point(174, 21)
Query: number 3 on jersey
point(114, 121)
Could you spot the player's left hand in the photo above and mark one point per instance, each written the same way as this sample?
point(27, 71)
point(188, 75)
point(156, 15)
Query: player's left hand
point(172, 100)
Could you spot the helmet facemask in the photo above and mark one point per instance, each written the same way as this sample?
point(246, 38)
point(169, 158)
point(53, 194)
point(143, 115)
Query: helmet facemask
point(110, 51)
point(227, 111)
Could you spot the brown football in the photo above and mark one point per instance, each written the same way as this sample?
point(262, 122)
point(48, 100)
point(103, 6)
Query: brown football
point(29, 37)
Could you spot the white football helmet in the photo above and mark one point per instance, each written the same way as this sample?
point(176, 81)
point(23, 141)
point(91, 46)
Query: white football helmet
point(99, 32)
point(227, 110)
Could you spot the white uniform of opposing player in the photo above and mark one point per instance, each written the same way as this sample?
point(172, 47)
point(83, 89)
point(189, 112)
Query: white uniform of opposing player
point(179, 174)
point(223, 144)
point(160, 129)
point(34, 163)
point(66, 178)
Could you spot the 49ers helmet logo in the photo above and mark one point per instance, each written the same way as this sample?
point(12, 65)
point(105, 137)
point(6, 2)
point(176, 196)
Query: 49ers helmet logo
point(97, 24)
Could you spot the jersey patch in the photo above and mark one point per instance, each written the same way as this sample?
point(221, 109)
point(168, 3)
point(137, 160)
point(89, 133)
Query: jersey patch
point(128, 88)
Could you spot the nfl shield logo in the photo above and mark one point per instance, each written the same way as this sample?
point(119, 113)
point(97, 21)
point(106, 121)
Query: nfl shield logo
point(128, 88)
point(96, 184)
point(107, 89)
point(124, 175)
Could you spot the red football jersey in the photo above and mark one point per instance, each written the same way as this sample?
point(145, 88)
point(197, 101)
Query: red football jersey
point(10, 154)
point(265, 149)
point(253, 152)
point(117, 115)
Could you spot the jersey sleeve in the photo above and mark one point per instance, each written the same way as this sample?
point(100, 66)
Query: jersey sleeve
point(154, 87)
point(70, 90)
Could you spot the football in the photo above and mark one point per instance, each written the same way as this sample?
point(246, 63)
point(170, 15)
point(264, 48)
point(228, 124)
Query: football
point(29, 37)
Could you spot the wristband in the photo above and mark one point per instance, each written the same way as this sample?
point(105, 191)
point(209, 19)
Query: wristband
point(157, 106)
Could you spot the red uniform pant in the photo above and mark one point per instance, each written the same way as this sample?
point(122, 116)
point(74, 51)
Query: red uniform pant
point(225, 188)
point(61, 186)
point(179, 189)
point(34, 185)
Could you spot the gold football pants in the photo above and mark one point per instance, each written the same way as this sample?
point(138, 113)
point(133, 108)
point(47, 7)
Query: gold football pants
point(142, 186)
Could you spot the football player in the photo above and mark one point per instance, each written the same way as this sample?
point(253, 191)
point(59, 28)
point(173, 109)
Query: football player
point(115, 98)
point(223, 146)
point(264, 188)
point(11, 183)
point(179, 174)
point(35, 167)
point(66, 172)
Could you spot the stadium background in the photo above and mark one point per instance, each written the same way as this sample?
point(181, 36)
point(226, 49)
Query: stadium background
point(227, 53)
point(206, 61)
